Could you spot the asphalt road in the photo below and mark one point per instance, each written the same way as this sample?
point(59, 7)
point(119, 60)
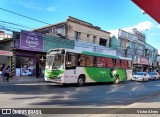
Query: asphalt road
point(39, 94)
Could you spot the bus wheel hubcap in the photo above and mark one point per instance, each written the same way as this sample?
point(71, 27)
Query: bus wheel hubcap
point(80, 81)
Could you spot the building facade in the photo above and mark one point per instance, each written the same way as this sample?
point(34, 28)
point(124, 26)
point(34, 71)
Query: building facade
point(75, 29)
point(26, 52)
point(28, 57)
point(132, 44)
point(5, 52)
point(158, 63)
point(151, 54)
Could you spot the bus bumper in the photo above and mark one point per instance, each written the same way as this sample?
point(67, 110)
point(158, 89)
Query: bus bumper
point(56, 80)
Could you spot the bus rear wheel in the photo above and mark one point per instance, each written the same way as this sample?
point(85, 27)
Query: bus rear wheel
point(116, 81)
point(81, 81)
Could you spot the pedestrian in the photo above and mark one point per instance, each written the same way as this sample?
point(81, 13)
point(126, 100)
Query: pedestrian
point(3, 72)
point(30, 70)
point(7, 73)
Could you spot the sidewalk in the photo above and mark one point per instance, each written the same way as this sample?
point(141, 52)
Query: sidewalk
point(26, 79)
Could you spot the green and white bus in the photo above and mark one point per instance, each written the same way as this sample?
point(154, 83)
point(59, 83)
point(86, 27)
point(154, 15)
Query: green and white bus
point(72, 66)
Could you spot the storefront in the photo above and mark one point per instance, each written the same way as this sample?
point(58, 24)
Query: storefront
point(141, 65)
point(29, 58)
point(5, 57)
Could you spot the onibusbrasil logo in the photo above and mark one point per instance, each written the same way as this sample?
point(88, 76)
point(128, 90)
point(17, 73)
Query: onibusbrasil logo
point(32, 40)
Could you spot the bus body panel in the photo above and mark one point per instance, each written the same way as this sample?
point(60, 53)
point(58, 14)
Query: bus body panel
point(92, 73)
point(69, 76)
point(105, 74)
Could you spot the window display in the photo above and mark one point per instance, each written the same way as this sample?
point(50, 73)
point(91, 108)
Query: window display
point(25, 64)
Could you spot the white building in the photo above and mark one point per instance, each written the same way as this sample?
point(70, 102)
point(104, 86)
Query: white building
point(3, 35)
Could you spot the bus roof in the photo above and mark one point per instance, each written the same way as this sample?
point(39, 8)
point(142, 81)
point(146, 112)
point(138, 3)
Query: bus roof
point(125, 58)
point(97, 54)
point(91, 53)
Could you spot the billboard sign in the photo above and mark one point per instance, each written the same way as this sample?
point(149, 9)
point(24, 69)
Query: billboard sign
point(31, 41)
point(144, 61)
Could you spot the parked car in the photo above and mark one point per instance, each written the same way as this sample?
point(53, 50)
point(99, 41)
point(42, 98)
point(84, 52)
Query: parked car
point(154, 75)
point(141, 76)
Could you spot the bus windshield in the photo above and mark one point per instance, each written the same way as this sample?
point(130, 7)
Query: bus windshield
point(55, 61)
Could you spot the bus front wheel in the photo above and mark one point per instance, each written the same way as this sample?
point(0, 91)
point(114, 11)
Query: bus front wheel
point(81, 81)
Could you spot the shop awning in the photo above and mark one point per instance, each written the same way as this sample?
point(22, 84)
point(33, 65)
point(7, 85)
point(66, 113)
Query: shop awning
point(151, 7)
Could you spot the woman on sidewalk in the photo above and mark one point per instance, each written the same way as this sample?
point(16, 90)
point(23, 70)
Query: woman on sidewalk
point(7, 73)
point(3, 72)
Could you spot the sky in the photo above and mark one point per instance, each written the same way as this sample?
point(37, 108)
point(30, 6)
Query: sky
point(107, 14)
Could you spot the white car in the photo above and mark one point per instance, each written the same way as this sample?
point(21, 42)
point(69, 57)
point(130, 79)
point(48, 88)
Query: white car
point(154, 75)
point(141, 76)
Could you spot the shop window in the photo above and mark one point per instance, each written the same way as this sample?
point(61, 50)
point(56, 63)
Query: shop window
point(90, 61)
point(24, 66)
point(124, 64)
point(117, 63)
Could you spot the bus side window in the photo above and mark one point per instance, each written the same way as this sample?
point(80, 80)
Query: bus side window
point(104, 62)
point(81, 60)
point(99, 62)
point(71, 61)
point(124, 64)
point(118, 63)
point(90, 61)
point(78, 60)
point(109, 62)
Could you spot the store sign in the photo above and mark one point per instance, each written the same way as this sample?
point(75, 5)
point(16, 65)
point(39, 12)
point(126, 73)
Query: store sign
point(6, 53)
point(144, 61)
point(89, 47)
point(31, 41)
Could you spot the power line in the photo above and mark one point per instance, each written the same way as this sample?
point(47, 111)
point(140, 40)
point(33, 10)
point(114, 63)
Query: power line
point(9, 28)
point(5, 28)
point(15, 24)
point(24, 16)
point(40, 21)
